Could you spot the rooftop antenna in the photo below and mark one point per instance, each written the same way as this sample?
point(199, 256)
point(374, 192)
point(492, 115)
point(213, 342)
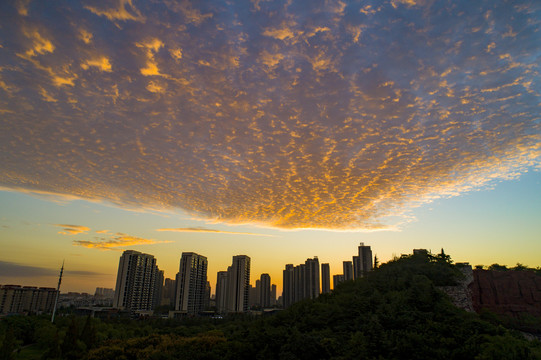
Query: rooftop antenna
point(57, 291)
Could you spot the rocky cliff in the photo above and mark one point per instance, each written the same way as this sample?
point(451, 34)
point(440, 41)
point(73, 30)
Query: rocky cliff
point(506, 292)
point(460, 294)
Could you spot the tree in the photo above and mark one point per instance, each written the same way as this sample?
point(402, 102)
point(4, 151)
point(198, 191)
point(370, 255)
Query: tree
point(498, 267)
point(70, 348)
point(520, 267)
point(88, 335)
point(9, 344)
point(442, 257)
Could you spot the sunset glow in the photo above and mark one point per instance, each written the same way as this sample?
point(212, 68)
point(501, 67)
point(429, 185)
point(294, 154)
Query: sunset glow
point(267, 128)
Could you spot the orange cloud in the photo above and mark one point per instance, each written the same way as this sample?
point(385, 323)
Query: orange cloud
point(124, 10)
point(116, 242)
point(102, 63)
point(330, 116)
point(72, 229)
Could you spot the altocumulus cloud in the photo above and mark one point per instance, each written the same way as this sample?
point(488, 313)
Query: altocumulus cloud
point(72, 229)
point(336, 115)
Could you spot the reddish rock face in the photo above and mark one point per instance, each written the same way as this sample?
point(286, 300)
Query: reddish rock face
point(506, 292)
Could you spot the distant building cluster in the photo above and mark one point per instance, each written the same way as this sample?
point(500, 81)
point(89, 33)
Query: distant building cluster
point(141, 287)
point(16, 299)
point(102, 297)
point(104, 293)
point(302, 281)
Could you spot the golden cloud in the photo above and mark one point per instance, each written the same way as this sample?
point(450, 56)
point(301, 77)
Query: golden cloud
point(116, 242)
point(332, 116)
point(123, 11)
point(72, 229)
point(102, 63)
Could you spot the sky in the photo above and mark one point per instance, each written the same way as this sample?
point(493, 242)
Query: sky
point(265, 128)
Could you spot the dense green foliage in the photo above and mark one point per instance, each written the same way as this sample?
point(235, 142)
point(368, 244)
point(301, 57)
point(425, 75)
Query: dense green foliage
point(395, 313)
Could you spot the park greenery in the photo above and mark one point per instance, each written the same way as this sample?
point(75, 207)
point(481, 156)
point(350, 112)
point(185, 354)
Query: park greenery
point(396, 312)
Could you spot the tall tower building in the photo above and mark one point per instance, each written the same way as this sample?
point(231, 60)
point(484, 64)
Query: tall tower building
point(299, 282)
point(356, 265)
point(325, 278)
point(168, 292)
point(312, 278)
point(191, 283)
point(238, 278)
point(273, 295)
point(135, 281)
point(265, 291)
point(365, 260)
point(288, 290)
point(206, 299)
point(221, 292)
point(348, 270)
point(158, 289)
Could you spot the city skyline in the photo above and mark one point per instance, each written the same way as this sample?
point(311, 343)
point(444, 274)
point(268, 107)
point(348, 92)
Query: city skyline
point(269, 129)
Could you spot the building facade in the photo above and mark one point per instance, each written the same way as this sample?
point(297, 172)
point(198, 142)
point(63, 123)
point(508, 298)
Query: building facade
point(288, 282)
point(348, 270)
point(301, 282)
point(168, 292)
point(191, 283)
point(337, 279)
point(238, 284)
point(16, 299)
point(136, 282)
point(365, 263)
point(221, 292)
point(265, 291)
point(325, 278)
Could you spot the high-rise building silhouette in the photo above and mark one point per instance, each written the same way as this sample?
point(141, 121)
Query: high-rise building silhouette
point(191, 283)
point(365, 260)
point(221, 292)
point(238, 278)
point(273, 295)
point(256, 300)
point(348, 270)
point(265, 291)
point(337, 279)
point(206, 299)
point(325, 279)
point(288, 290)
point(301, 282)
point(312, 278)
point(356, 265)
point(136, 281)
point(158, 289)
point(168, 297)
point(252, 295)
